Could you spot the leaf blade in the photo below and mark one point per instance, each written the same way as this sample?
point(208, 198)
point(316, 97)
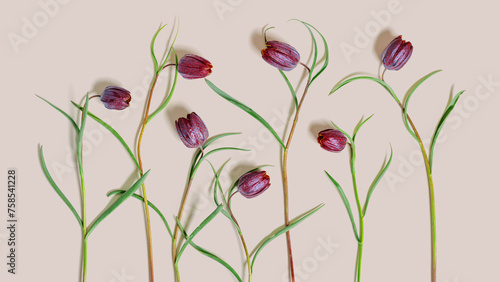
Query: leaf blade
point(246, 109)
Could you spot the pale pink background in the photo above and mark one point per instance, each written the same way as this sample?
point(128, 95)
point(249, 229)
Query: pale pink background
point(81, 46)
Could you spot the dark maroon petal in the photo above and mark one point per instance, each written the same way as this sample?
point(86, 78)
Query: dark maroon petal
point(397, 53)
point(193, 67)
point(280, 55)
point(332, 140)
point(192, 131)
point(115, 98)
point(253, 183)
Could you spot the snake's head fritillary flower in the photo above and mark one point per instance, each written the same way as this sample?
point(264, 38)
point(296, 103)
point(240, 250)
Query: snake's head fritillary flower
point(397, 53)
point(193, 67)
point(280, 55)
point(332, 140)
point(115, 98)
point(192, 131)
point(253, 183)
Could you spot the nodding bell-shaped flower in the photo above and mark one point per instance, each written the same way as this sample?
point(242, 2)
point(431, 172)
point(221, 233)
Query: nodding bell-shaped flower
point(192, 131)
point(332, 140)
point(193, 67)
point(115, 98)
point(253, 183)
point(280, 55)
point(397, 53)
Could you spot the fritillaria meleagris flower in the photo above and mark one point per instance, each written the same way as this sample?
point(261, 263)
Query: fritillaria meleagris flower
point(193, 67)
point(397, 53)
point(280, 55)
point(192, 131)
point(332, 140)
point(115, 98)
point(253, 183)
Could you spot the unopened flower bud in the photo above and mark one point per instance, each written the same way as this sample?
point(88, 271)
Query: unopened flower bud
point(253, 183)
point(192, 131)
point(115, 98)
point(332, 140)
point(397, 53)
point(280, 55)
point(193, 67)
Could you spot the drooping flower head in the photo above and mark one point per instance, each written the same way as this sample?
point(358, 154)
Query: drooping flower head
point(332, 140)
point(192, 131)
point(253, 183)
point(115, 98)
point(280, 55)
point(397, 53)
point(193, 67)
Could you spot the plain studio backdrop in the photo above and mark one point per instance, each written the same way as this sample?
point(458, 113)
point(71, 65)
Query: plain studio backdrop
point(60, 50)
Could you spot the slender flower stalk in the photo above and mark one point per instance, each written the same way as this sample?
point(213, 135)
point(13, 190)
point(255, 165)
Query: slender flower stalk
point(285, 176)
point(243, 243)
point(79, 155)
point(139, 159)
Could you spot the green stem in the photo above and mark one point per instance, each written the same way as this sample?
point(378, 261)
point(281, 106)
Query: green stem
point(432, 202)
point(360, 212)
point(84, 258)
point(176, 231)
point(241, 237)
point(285, 178)
point(146, 207)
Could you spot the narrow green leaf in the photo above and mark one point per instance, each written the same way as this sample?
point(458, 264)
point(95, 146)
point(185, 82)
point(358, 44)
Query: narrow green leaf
point(379, 81)
point(406, 101)
point(217, 185)
point(217, 137)
point(351, 140)
point(114, 132)
point(293, 223)
point(79, 142)
point(153, 48)
point(246, 109)
point(315, 50)
point(170, 49)
point(150, 204)
point(294, 95)
point(265, 33)
point(375, 182)
point(441, 124)
point(196, 247)
point(196, 231)
point(116, 204)
point(327, 54)
point(197, 165)
point(169, 96)
point(62, 112)
point(358, 127)
point(347, 205)
point(56, 188)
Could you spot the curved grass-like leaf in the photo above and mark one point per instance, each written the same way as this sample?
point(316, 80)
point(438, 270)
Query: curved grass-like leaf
point(351, 140)
point(294, 95)
point(164, 63)
point(246, 109)
point(347, 205)
point(406, 101)
point(375, 182)
point(315, 50)
point(114, 132)
point(196, 247)
point(56, 188)
point(358, 127)
point(327, 54)
point(197, 164)
point(169, 96)
point(283, 230)
point(116, 204)
point(79, 143)
point(441, 124)
point(196, 231)
point(153, 47)
point(379, 81)
point(62, 112)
